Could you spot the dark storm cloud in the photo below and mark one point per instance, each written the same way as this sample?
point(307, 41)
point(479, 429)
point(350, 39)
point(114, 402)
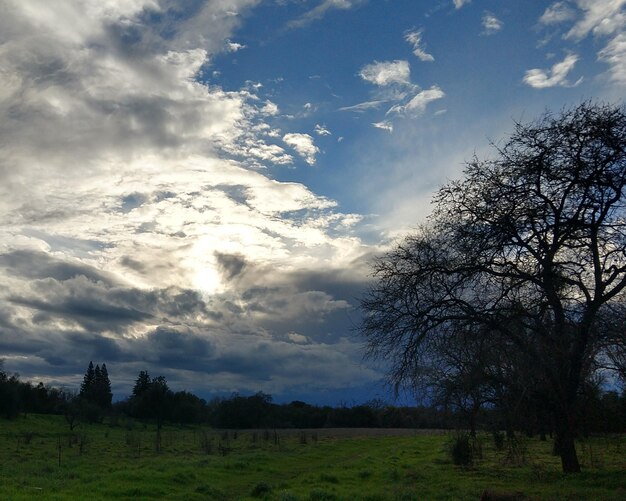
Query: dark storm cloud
point(36, 264)
point(231, 265)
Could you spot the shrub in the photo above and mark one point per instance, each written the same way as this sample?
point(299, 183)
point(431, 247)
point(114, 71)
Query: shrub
point(461, 450)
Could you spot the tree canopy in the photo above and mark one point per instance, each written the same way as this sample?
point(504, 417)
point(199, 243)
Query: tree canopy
point(528, 249)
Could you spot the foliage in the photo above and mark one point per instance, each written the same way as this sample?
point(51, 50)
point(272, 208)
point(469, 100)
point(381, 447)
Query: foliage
point(526, 257)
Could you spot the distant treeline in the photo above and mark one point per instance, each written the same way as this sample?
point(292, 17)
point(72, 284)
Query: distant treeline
point(152, 400)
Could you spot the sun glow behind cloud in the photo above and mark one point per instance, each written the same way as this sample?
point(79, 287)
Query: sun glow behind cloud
point(150, 223)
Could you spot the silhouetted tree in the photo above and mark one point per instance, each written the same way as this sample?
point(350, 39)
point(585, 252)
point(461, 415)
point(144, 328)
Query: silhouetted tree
point(88, 381)
point(142, 383)
point(530, 244)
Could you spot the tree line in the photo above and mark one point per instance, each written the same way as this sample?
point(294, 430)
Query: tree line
point(153, 401)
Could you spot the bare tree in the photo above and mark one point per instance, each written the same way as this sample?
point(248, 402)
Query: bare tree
point(530, 244)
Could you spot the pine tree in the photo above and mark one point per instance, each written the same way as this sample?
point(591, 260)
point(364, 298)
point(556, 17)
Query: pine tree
point(105, 395)
point(88, 382)
point(142, 383)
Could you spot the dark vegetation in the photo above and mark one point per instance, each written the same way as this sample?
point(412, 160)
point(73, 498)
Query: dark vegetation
point(152, 401)
point(513, 295)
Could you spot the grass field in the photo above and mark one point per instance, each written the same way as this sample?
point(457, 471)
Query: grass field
point(40, 459)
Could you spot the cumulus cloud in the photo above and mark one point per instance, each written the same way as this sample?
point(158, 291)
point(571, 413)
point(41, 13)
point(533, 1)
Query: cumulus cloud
point(556, 76)
point(491, 24)
point(304, 146)
point(387, 73)
point(136, 221)
point(415, 39)
point(234, 46)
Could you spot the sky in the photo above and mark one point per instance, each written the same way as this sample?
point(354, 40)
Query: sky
point(197, 188)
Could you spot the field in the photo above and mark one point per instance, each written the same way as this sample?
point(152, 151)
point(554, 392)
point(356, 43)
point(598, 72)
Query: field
point(41, 459)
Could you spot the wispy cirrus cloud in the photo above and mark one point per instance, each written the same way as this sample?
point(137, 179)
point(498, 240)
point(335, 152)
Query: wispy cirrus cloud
point(599, 18)
point(602, 20)
point(614, 54)
point(319, 11)
point(558, 12)
point(418, 103)
point(414, 38)
point(393, 86)
point(555, 76)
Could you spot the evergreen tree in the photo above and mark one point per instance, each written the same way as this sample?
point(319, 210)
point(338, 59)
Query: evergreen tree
point(106, 395)
point(88, 381)
point(142, 384)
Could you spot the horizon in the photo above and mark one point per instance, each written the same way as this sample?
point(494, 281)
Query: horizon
point(197, 189)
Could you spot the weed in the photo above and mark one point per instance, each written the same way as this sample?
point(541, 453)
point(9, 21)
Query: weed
point(364, 474)
point(206, 442)
point(516, 451)
point(27, 437)
point(461, 450)
point(260, 490)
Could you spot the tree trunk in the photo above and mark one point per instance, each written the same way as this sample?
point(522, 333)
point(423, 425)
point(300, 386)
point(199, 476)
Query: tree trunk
point(564, 445)
point(569, 458)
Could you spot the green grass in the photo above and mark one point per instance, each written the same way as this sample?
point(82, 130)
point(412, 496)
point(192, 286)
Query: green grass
point(118, 463)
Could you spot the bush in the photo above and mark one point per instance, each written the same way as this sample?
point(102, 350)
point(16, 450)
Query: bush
point(461, 450)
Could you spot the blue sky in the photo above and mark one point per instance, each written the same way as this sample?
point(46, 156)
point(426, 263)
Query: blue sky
point(197, 188)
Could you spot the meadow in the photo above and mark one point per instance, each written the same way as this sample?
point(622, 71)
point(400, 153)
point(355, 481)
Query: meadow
point(41, 459)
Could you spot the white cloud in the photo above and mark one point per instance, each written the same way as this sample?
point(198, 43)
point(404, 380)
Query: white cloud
point(362, 107)
point(269, 108)
point(418, 103)
point(321, 10)
point(556, 13)
point(387, 73)
point(460, 3)
point(556, 76)
point(115, 156)
point(415, 39)
point(321, 130)
point(384, 125)
point(614, 54)
point(304, 146)
point(491, 24)
point(234, 46)
point(601, 17)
